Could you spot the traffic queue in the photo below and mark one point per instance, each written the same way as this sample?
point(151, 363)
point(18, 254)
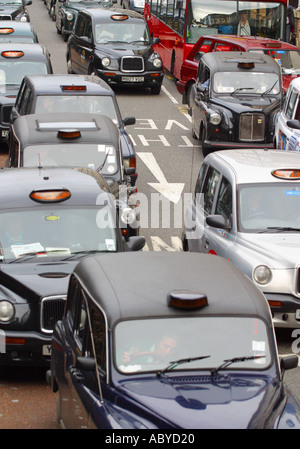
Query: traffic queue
point(143, 351)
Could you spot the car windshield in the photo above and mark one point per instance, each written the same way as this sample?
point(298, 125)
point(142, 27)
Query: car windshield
point(122, 32)
point(94, 104)
point(289, 60)
point(152, 344)
point(253, 83)
point(103, 158)
point(54, 231)
point(12, 72)
point(269, 207)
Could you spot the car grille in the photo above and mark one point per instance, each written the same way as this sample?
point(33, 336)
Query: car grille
point(5, 17)
point(5, 113)
point(132, 64)
point(52, 309)
point(252, 127)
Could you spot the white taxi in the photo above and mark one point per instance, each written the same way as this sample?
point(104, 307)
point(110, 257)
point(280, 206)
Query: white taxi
point(246, 208)
point(287, 128)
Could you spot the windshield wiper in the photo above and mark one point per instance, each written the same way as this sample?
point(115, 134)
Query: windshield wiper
point(235, 360)
point(180, 362)
point(240, 89)
point(98, 169)
point(29, 255)
point(283, 228)
point(270, 89)
point(82, 253)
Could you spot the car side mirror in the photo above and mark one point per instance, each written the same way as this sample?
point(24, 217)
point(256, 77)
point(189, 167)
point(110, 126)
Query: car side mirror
point(156, 40)
point(135, 243)
point(29, 2)
point(86, 363)
point(129, 121)
point(129, 171)
point(218, 221)
point(288, 362)
point(86, 39)
point(295, 124)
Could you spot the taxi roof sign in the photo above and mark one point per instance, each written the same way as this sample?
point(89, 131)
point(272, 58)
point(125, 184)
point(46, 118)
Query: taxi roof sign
point(72, 87)
point(119, 17)
point(287, 173)
point(185, 299)
point(50, 196)
point(12, 54)
point(6, 30)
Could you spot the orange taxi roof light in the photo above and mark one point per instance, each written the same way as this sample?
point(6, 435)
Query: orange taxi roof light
point(12, 54)
point(272, 45)
point(246, 65)
point(69, 134)
point(50, 196)
point(184, 299)
point(119, 17)
point(6, 30)
point(287, 173)
point(68, 88)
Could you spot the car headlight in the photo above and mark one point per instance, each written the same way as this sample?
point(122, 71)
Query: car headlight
point(215, 118)
point(23, 19)
point(128, 216)
point(157, 62)
point(69, 16)
point(262, 274)
point(7, 311)
point(105, 62)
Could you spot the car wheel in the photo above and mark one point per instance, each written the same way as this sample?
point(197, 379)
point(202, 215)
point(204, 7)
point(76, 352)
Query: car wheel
point(205, 150)
point(63, 33)
point(185, 245)
point(189, 95)
point(58, 31)
point(69, 67)
point(91, 70)
point(155, 90)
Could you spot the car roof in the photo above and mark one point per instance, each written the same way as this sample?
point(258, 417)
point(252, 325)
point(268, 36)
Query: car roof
point(252, 42)
point(296, 83)
point(32, 51)
point(228, 61)
point(256, 165)
point(52, 84)
point(154, 274)
point(104, 15)
point(84, 184)
point(24, 28)
point(32, 129)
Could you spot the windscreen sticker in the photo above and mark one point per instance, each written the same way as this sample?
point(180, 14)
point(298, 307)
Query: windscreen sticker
point(52, 218)
point(258, 345)
point(111, 159)
point(292, 192)
point(101, 148)
point(110, 245)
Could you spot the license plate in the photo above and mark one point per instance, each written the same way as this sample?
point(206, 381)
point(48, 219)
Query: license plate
point(5, 134)
point(133, 79)
point(47, 349)
point(298, 314)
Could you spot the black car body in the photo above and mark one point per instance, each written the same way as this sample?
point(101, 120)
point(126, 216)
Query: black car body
point(17, 32)
point(217, 368)
point(85, 93)
point(116, 45)
point(14, 10)
point(16, 61)
point(50, 218)
point(75, 140)
point(235, 100)
point(66, 12)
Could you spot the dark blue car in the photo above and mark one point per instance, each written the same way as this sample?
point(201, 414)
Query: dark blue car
point(171, 349)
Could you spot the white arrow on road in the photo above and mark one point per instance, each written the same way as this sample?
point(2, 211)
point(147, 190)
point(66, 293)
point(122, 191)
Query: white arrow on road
point(171, 190)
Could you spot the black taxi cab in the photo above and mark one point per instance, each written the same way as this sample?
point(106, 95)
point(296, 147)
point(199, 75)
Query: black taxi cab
point(12, 31)
point(116, 45)
point(178, 351)
point(15, 10)
point(49, 219)
point(16, 61)
point(75, 140)
point(235, 100)
point(66, 12)
point(69, 93)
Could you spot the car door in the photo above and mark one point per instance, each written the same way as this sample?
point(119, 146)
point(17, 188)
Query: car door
point(200, 98)
point(87, 372)
point(217, 240)
point(289, 111)
point(80, 45)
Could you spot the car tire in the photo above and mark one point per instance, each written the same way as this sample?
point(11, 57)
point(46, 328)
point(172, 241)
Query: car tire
point(155, 90)
point(69, 67)
point(189, 95)
point(91, 70)
point(185, 245)
point(205, 150)
point(63, 33)
point(58, 31)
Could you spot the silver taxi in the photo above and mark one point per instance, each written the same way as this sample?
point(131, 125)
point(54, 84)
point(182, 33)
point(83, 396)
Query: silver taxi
point(287, 127)
point(246, 208)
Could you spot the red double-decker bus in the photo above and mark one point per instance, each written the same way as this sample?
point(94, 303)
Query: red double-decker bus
point(180, 23)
